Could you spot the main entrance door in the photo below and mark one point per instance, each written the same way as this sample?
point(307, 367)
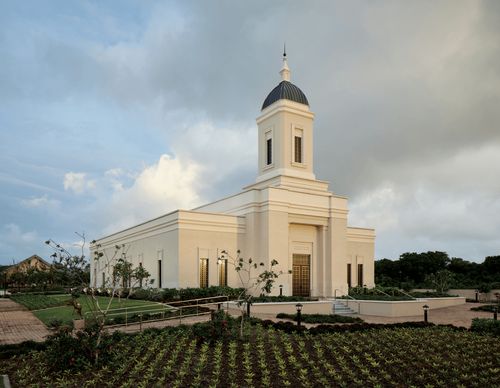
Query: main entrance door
point(301, 275)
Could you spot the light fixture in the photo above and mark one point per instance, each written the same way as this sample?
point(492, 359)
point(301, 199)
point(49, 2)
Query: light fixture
point(299, 306)
point(426, 309)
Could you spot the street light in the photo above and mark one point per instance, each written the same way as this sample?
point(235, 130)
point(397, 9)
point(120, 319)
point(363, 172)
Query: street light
point(298, 306)
point(426, 308)
point(281, 289)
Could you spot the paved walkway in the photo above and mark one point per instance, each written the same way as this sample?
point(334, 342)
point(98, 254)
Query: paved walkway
point(17, 324)
point(456, 315)
point(460, 315)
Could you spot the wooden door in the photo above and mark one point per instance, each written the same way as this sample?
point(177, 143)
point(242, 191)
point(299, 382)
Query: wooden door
point(301, 275)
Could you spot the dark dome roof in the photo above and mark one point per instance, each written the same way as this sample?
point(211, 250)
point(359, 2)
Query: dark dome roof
point(285, 91)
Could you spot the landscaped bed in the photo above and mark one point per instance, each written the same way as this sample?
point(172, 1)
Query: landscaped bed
point(399, 357)
point(320, 318)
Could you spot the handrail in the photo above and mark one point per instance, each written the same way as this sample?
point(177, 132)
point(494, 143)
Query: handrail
point(411, 296)
point(385, 293)
point(165, 307)
point(354, 299)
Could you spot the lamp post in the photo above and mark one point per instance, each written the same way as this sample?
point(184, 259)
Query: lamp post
point(426, 308)
point(298, 306)
point(281, 289)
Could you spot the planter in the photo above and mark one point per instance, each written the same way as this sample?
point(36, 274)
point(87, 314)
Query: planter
point(79, 324)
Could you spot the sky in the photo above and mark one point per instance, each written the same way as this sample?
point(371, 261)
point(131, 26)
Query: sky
point(113, 113)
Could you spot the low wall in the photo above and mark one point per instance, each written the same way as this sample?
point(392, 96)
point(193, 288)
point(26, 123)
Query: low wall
point(400, 308)
point(469, 294)
point(318, 307)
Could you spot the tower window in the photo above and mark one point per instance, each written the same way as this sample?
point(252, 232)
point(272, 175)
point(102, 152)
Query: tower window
point(349, 275)
point(269, 154)
point(298, 149)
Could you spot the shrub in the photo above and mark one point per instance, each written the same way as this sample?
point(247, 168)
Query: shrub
point(487, 307)
point(272, 299)
point(140, 293)
point(55, 323)
point(486, 326)
point(11, 350)
point(67, 351)
point(321, 318)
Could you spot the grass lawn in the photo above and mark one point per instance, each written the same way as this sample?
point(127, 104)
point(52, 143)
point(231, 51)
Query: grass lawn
point(67, 313)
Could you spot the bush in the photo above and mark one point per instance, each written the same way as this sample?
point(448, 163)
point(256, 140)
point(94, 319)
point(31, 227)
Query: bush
point(487, 307)
point(273, 299)
point(321, 318)
point(67, 351)
point(11, 350)
point(486, 326)
point(140, 293)
point(221, 326)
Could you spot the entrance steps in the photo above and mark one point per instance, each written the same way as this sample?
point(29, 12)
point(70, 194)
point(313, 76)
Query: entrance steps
point(339, 308)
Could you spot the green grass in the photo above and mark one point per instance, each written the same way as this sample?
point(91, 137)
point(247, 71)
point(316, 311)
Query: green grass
point(37, 302)
point(66, 313)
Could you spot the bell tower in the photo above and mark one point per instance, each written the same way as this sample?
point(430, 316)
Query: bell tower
point(285, 132)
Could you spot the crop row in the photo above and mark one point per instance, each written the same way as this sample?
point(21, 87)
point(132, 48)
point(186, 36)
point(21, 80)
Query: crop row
point(436, 356)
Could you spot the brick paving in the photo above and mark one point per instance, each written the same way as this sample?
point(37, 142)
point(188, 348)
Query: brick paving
point(17, 324)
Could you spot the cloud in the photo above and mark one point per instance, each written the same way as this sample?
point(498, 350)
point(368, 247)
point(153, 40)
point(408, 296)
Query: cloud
point(167, 185)
point(434, 206)
point(43, 201)
point(14, 240)
point(78, 182)
point(406, 100)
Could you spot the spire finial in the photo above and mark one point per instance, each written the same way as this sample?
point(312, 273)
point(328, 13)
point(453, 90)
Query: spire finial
point(285, 71)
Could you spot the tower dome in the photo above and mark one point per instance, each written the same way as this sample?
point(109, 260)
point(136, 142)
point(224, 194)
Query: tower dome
point(285, 89)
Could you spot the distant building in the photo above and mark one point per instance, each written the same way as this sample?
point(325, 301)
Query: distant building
point(32, 262)
point(287, 215)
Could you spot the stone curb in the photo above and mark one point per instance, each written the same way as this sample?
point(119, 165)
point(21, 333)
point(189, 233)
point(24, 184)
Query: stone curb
point(5, 381)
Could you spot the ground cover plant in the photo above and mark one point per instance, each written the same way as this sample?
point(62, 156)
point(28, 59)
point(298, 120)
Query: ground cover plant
point(321, 318)
point(430, 356)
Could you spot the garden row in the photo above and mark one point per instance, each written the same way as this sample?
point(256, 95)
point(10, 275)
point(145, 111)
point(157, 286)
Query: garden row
point(392, 357)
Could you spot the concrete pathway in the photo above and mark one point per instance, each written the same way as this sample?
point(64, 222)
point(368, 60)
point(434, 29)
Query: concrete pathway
point(460, 315)
point(456, 315)
point(17, 324)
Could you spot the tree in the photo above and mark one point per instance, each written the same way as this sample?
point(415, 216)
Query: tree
point(254, 277)
point(440, 280)
point(74, 268)
point(70, 270)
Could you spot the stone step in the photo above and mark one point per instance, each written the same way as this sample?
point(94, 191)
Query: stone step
point(340, 308)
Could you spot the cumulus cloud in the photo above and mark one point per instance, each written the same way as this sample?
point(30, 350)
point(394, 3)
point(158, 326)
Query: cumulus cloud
point(78, 182)
point(167, 185)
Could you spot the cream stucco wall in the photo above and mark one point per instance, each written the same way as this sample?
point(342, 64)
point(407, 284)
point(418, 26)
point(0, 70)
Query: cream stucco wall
point(286, 211)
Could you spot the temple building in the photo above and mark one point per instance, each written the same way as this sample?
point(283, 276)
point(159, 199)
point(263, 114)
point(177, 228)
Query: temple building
point(286, 214)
